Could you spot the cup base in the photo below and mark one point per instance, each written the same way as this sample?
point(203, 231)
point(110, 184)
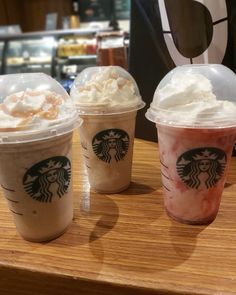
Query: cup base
point(101, 191)
point(46, 239)
point(204, 221)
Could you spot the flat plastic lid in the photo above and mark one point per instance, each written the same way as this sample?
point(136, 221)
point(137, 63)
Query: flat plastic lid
point(105, 90)
point(34, 107)
point(201, 95)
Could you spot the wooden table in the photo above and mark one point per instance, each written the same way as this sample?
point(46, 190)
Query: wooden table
point(124, 243)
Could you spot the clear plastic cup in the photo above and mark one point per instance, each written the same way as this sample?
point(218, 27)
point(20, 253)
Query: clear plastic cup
point(36, 164)
point(107, 133)
point(195, 154)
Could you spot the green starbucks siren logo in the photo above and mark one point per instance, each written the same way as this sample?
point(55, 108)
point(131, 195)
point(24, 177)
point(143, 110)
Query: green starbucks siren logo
point(201, 167)
point(111, 144)
point(48, 179)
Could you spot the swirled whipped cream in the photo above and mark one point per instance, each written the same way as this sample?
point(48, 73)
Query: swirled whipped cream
point(188, 98)
point(105, 90)
point(33, 109)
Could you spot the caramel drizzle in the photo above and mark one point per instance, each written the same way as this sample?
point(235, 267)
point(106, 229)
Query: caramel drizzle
point(51, 113)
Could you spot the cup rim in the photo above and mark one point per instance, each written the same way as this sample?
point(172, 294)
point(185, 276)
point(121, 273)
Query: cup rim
point(96, 110)
point(27, 136)
point(164, 117)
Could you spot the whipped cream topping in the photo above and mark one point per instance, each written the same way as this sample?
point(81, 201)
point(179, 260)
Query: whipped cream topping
point(188, 98)
point(106, 90)
point(33, 109)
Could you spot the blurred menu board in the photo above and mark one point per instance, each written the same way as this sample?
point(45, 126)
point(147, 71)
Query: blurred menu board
point(122, 8)
point(100, 10)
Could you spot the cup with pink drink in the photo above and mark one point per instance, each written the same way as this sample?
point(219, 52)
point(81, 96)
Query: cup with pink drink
point(194, 108)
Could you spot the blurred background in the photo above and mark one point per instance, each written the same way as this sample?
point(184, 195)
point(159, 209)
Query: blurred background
point(146, 37)
point(62, 37)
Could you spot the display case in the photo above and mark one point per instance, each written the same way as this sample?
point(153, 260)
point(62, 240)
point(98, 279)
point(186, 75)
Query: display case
point(29, 55)
point(61, 54)
point(74, 53)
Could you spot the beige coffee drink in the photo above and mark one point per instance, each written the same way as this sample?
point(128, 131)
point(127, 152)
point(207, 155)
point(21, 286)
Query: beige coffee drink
point(36, 126)
point(107, 98)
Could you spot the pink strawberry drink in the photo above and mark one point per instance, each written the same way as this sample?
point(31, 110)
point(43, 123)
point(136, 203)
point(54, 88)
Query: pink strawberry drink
point(196, 132)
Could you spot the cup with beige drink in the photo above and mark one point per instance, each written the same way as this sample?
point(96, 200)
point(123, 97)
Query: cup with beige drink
point(107, 99)
point(195, 114)
point(37, 118)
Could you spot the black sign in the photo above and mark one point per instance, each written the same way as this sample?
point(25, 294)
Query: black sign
point(122, 9)
point(101, 10)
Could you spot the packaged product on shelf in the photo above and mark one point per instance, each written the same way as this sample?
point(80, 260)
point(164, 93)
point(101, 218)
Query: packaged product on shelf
point(112, 49)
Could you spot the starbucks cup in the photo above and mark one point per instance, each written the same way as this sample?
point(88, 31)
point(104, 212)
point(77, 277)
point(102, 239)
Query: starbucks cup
point(36, 128)
point(107, 99)
point(195, 115)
